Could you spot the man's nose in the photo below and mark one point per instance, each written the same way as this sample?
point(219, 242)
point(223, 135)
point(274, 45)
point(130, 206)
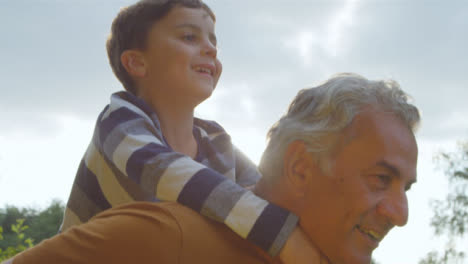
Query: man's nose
point(395, 208)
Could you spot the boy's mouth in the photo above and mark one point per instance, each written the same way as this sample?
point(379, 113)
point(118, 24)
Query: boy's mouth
point(205, 68)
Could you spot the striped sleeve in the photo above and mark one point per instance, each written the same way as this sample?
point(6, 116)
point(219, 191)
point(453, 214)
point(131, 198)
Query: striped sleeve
point(129, 139)
point(246, 171)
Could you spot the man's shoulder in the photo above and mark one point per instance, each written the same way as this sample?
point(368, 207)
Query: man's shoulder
point(170, 215)
point(161, 221)
point(220, 243)
point(151, 210)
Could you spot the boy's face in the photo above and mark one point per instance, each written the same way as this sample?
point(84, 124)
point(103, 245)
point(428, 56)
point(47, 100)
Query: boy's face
point(181, 58)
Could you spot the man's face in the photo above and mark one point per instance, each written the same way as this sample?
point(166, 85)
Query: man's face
point(350, 209)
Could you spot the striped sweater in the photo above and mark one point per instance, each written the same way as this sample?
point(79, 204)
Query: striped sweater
point(129, 160)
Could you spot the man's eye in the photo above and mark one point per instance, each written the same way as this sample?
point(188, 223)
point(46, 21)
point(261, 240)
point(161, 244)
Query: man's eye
point(382, 180)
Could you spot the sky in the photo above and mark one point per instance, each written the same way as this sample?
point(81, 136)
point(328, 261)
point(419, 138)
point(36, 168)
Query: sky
point(56, 79)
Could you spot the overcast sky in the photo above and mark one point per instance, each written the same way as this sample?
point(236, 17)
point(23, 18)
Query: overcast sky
point(55, 79)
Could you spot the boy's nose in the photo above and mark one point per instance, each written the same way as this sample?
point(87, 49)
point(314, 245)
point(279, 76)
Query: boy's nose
point(209, 49)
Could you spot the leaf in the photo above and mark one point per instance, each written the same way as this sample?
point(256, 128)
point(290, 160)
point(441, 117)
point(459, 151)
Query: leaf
point(450, 216)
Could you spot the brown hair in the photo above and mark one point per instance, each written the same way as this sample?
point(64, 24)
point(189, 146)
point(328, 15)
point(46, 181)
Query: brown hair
point(131, 27)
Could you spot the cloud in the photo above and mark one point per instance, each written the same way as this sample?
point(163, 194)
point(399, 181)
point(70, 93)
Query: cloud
point(340, 22)
point(280, 48)
point(309, 40)
point(270, 50)
point(46, 163)
point(54, 58)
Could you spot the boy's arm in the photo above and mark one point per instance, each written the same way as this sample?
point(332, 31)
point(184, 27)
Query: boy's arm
point(247, 174)
point(128, 139)
point(298, 248)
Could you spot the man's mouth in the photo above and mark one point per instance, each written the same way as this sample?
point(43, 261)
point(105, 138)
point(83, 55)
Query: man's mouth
point(372, 234)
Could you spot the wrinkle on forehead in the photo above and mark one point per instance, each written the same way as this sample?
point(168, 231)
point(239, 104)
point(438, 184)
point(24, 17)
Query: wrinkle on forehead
point(370, 117)
point(380, 125)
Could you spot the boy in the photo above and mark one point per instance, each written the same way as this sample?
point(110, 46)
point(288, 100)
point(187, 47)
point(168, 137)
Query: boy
point(147, 145)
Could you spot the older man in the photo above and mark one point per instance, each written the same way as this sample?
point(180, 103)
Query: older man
point(342, 159)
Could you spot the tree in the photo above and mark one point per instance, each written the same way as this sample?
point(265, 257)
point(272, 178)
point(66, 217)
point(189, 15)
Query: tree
point(46, 223)
point(451, 215)
point(21, 244)
point(42, 224)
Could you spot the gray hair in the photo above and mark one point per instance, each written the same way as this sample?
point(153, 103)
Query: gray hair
point(317, 116)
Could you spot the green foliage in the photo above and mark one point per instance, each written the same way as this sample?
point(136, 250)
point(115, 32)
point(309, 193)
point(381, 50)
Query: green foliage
point(42, 224)
point(451, 215)
point(46, 223)
point(450, 256)
point(21, 244)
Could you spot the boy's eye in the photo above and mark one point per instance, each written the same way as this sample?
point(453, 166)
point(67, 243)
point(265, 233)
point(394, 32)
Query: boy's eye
point(189, 37)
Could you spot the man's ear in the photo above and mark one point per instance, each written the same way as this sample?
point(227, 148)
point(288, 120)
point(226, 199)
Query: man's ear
point(298, 166)
point(134, 62)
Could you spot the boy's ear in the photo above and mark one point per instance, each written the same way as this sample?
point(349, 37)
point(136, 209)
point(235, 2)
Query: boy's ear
point(134, 62)
point(298, 167)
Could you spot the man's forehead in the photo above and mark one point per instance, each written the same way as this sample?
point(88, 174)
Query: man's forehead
point(384, 136)
point(374, 119)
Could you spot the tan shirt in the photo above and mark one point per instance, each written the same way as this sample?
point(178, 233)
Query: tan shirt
point(146, 232)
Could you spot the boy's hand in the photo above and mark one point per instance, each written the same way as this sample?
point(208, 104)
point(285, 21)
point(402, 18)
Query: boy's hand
point(300, 250)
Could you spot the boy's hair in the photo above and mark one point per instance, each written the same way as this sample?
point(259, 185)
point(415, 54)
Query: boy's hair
point(131, 27)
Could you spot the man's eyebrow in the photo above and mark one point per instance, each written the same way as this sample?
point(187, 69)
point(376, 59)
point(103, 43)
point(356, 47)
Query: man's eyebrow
point(197, 28)
point(394, 170)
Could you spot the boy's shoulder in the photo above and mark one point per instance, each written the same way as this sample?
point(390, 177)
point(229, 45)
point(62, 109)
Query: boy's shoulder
point(125, 106)
point(129, 100)
point(208, 126)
